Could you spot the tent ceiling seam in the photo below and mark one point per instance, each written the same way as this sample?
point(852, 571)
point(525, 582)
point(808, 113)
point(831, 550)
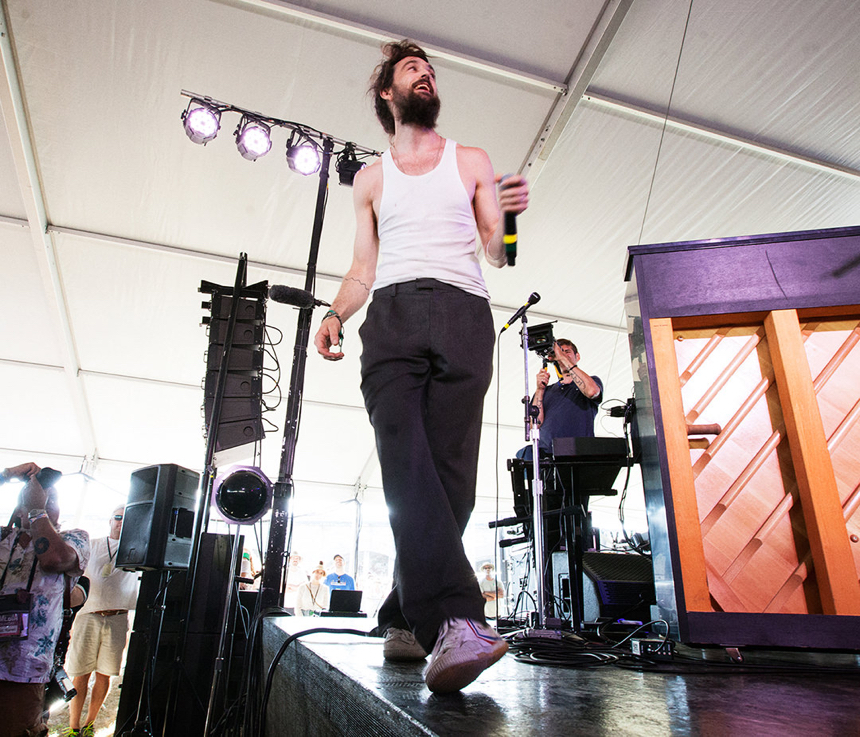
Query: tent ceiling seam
point(23, 149)
point(336, 278)
point(581, 73)
point(603, 100)
point(381, 35)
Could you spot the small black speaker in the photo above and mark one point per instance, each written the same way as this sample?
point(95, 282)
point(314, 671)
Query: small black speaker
point(617, 585)
point(614, 585)
point(159, 519)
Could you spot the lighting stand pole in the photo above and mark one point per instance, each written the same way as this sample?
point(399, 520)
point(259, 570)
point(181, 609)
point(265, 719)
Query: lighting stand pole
point(533, 435)
point(271, 593)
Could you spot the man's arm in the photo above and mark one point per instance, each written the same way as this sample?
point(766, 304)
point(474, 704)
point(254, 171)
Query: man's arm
point(513, 197)
point(588, 386)
point(23, 472)
point(355, 288)
point(55, 554)
point(537, 399)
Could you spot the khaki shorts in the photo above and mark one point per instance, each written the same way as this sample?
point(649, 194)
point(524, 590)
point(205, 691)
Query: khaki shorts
point(97, 644)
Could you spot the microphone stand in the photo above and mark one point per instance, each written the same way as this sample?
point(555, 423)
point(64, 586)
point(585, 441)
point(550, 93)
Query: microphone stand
point(271, 586)
point(533, 436)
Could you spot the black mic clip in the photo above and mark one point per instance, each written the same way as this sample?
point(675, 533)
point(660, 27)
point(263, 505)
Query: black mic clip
point(533, 299)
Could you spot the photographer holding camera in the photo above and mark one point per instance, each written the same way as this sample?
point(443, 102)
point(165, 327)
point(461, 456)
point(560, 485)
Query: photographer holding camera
point(37, 562)
point(567, 408)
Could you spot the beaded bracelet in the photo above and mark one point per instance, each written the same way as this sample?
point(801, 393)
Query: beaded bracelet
point(332, 313)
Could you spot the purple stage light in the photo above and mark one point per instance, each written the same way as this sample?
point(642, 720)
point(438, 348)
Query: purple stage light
point(303, 158)
point(201, 123)
point(253, 140)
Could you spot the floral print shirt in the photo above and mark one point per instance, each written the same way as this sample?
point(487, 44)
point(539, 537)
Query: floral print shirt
point(30, 660)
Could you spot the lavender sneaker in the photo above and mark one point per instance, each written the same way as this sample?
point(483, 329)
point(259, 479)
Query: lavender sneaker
point(465, 648)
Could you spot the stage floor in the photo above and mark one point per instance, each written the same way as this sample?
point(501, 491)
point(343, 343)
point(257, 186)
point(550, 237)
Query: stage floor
point(331, 684)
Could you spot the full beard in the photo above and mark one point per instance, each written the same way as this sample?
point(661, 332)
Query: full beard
point(417, 110)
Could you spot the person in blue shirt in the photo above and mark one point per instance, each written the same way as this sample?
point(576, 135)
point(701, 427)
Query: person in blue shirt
point(340, 579)
point(567, 408)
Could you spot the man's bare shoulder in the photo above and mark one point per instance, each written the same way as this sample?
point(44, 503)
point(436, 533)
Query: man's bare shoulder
point(370, 174)
point(472, 154)
point(368, 181)
point(475, 161)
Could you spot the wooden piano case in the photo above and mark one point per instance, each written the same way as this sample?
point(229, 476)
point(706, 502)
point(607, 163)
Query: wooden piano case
point(755, 528)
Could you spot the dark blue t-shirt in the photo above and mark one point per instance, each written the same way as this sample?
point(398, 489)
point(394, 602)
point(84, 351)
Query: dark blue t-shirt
point(568, 413)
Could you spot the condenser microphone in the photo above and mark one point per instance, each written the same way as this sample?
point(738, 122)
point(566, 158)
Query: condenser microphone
point(510, 238)
point(300, 298)
point(533, 299)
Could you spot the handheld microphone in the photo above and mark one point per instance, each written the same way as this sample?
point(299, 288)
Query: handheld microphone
point(533, 299)
point(510, 238)
point(300, 298)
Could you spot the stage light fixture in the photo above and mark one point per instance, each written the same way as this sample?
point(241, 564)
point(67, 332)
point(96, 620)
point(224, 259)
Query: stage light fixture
point(348, 165)
point(242, 495)
point(201, 121)
point(303, 156)
point(252, 138)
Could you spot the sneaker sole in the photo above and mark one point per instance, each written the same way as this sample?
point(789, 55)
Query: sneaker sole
point(459, 675)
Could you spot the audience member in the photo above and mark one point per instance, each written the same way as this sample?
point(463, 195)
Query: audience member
point(100, 629)
point(296, 576)
point(492, 591)
point(339, 578)
point(313, 596)
point(37, 564)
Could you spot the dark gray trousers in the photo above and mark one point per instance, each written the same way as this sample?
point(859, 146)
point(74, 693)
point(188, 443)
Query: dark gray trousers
point(425, 367)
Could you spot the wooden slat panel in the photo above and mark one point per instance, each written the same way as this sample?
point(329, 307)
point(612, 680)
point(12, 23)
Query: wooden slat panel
point(690, 549)
point(822, 511)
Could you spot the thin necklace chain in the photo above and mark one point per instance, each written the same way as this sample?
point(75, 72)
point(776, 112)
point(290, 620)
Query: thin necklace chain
point(436, 159)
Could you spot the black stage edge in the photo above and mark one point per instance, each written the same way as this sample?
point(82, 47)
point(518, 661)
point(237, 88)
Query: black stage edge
point(329, 685)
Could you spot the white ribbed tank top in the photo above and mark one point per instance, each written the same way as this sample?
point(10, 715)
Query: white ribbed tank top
point(427, 227)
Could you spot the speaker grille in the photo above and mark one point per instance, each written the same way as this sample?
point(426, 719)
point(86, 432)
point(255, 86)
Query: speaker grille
point(617, 567)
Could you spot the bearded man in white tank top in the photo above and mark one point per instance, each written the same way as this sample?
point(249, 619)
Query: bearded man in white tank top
point(427, 360)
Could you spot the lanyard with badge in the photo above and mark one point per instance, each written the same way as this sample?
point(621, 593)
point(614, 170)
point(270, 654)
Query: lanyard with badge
point(108, 568)
point(15, 608)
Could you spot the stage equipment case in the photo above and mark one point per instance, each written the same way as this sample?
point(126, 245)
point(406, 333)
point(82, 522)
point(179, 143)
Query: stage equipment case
point(754, 521)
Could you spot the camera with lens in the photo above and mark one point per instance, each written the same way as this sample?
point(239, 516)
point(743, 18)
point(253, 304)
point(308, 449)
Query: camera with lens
point(541, 339)
point(60, 686)
point(47, 477)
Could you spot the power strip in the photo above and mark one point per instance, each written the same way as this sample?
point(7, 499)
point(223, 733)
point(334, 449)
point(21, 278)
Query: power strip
point(653, 648)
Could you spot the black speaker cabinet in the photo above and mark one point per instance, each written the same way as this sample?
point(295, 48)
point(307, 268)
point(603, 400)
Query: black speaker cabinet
point(156, 631)
point(615, 585)
point(159, 519)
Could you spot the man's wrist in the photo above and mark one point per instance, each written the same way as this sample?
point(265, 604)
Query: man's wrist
point(37, 513)
point(334, 314)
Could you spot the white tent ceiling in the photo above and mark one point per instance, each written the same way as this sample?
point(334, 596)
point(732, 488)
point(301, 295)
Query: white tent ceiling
point(110, 217)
